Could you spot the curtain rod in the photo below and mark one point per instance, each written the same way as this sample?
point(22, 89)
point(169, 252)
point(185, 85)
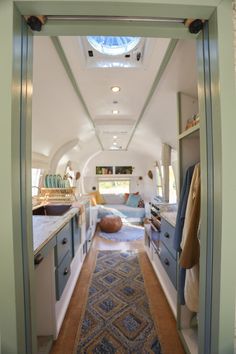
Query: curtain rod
point(114, 18)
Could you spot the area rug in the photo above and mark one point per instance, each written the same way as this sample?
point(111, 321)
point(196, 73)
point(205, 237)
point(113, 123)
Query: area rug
point(117, 316)
point(128, 232)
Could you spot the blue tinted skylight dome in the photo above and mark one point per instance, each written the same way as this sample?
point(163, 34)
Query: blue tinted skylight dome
point(113, 45)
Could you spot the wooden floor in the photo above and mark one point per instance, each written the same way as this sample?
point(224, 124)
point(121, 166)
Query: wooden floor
point(162, 315)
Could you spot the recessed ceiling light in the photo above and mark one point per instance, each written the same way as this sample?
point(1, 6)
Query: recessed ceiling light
point(115, 88)
point(114, 143)
point(115, 111)
point(114, 137)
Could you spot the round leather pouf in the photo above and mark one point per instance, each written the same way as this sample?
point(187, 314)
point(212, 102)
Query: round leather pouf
point(110, 223)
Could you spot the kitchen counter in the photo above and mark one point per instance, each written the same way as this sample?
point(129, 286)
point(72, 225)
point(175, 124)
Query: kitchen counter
point(170, 217)
point(46, 227)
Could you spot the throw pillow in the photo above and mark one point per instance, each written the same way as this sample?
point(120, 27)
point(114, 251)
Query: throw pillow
point(126, 195)
point(99, 198)
point(96, 198)
point(92, 199)
point(141, 204)
point(133, 200)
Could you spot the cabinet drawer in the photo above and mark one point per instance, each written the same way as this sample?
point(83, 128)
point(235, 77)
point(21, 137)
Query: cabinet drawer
point(76, 234)
point(62, 274)
point(167, 236)
point(64, 243)
point(43, 253)
point(169, 263)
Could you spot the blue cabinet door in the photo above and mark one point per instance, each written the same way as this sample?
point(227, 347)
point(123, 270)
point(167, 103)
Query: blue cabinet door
point(62, 275)
point(167, 236)
point(169, 263)
point(64, 243)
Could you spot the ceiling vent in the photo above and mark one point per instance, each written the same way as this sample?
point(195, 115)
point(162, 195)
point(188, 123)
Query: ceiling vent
point(94, 59)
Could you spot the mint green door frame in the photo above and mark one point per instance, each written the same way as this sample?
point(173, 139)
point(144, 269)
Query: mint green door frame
point(16, 310)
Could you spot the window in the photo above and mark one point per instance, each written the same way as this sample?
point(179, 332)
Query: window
point(114, 186)
point(172, 186)
point(113, 45)
point(159, 182)
point(36, 174)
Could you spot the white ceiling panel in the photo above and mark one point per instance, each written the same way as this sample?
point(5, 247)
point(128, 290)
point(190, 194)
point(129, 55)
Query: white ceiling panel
point(59, 115)
point(95, 82)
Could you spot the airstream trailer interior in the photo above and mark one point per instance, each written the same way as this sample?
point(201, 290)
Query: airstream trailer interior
point(124, 207)
point(101, 107)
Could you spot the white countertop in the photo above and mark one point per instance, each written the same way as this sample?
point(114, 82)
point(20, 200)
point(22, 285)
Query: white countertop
point(170, 216)
point(46, 227)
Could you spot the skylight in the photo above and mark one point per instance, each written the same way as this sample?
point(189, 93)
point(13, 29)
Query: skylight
point(113, 45)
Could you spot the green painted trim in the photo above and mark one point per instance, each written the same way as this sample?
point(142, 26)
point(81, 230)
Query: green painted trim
point(174, 8)
point(164, 63)
point(71, 77)
point(13, 317)
point(224, 127)
point(26, 190)
point(207, 190)
point(83, 28)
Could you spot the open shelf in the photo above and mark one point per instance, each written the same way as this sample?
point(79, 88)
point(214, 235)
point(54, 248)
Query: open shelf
point(189, 155)
point(189, 131)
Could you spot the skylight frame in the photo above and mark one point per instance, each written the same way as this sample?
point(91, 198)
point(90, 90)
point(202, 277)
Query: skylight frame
point(113, 45)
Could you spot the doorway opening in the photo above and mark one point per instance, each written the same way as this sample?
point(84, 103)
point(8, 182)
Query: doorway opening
point(187, 111)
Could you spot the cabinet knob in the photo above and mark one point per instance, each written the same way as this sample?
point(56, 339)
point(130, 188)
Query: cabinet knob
point(167, 235)
point(66, 271)
point(64, 241)
point(166, 262)
point(38, 259)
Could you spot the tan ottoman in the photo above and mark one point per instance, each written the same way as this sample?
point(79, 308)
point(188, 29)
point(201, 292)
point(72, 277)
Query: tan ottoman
point(111, 223)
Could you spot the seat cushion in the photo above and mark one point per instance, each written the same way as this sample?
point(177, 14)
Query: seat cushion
point(126, 211)
point(114, 198)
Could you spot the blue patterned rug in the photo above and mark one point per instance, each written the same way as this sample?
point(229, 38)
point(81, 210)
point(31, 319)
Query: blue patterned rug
point(128, 232)
point(117, 317)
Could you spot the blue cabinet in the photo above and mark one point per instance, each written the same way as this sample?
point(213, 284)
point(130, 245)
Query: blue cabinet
point(168, 254)
point(62, 274)
point(64, 243)
point(167, 237)
point(63, 257)
point(169, 263)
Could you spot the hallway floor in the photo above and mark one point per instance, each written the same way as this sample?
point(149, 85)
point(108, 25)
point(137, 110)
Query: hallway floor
point(160, 309)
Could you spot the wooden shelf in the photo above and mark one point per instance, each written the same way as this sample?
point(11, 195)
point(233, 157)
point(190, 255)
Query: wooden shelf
point(189, 131)
point(59, 194)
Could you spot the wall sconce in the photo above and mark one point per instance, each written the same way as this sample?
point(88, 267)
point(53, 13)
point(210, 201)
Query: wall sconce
point(150, 174)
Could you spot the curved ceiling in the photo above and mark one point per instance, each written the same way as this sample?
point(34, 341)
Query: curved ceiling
point(72, 97)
